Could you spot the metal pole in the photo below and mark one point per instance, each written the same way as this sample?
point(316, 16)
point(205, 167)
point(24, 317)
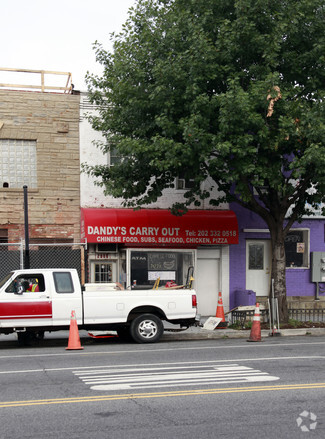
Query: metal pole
point(26, 259)
point(317, 291)
point(273, 304)
point(270, 318)
point(277, 313)
point(21, 252)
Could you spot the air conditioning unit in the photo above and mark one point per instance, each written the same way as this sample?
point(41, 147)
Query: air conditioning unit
point(107, 248)
point(181, 184)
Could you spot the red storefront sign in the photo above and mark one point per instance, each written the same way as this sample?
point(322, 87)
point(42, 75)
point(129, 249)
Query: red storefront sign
point(151, 227)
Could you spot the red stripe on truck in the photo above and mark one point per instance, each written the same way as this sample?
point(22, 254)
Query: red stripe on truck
point(27, 310)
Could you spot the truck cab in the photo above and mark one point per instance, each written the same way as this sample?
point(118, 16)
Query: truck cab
point(40, 298)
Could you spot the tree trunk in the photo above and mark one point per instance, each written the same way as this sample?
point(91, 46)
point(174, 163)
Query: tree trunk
point(279, 272)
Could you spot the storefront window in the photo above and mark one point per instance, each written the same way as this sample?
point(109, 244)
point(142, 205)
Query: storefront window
point(296, 248)
point(103, 272)
point(170, 267)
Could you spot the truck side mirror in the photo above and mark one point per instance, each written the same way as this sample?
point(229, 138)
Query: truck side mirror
point(19, 290)
point(21, 287)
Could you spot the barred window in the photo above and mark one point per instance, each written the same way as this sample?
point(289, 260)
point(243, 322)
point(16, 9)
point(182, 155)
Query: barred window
point(18, 164)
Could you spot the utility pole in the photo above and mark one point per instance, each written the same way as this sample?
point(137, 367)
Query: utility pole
point(26, 258)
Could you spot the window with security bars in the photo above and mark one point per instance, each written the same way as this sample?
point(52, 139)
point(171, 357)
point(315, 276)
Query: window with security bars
point(103, 272)
point(18, 164)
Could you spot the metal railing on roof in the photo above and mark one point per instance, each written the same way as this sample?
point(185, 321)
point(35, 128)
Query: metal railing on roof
point(40, 85)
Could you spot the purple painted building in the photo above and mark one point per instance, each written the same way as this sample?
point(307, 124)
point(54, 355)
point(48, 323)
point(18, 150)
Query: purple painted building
point(250, 260)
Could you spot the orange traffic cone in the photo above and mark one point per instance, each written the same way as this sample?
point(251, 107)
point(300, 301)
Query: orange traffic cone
point(220, 313)
point(255, 334)
point(74, 339)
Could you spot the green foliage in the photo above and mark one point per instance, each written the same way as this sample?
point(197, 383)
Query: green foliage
point(236, 326)
point(295, 323)
point(187, 89)
point(232, 90)
point(241, 325)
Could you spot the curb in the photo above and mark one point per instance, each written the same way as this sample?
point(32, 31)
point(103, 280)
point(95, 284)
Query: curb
point(203, 334)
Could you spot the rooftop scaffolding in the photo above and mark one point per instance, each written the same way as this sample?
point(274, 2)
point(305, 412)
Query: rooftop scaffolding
point(36, 83)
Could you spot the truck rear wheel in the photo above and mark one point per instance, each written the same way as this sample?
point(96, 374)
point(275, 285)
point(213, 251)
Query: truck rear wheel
point(146, 328)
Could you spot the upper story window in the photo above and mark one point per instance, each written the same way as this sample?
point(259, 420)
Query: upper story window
point(114, 157)
point(18, 164)
point(184, 183)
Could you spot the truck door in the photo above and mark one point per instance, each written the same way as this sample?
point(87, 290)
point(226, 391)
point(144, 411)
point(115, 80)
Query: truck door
point(66, 297)
point(26, 302)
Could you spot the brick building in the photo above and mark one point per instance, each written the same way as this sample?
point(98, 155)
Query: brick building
point(39, 147)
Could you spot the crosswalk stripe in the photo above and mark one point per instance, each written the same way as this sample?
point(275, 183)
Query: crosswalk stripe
point(135, 378)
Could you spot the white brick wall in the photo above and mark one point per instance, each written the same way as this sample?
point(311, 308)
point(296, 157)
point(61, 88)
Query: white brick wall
point(92, 195)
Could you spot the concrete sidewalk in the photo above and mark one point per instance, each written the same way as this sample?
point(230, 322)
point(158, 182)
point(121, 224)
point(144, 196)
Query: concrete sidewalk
point(198, 333)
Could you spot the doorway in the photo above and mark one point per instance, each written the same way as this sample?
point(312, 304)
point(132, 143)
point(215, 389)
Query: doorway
point(258, 266)
point(207, 281)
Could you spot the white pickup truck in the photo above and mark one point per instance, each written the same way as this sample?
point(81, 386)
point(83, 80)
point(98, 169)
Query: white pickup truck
point(34, 301)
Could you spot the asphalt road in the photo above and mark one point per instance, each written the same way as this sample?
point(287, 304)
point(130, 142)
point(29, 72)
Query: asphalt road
point(194, 389)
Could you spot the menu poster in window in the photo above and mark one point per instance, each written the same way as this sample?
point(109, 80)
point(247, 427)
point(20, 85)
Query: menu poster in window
point(162, 275)
point(162, 261)
point(300, 247)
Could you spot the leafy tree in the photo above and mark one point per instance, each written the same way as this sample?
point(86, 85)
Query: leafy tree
point(227, 89)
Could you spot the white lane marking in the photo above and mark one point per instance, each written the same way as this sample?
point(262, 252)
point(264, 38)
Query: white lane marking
point(157, 377)
point(84, 368)
point(153, 386)
point(149, 350)
point(153, 369)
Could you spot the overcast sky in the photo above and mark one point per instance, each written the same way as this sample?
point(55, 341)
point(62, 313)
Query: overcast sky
point(57, 34)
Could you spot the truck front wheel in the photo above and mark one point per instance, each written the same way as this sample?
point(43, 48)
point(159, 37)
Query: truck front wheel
point(146, 328)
